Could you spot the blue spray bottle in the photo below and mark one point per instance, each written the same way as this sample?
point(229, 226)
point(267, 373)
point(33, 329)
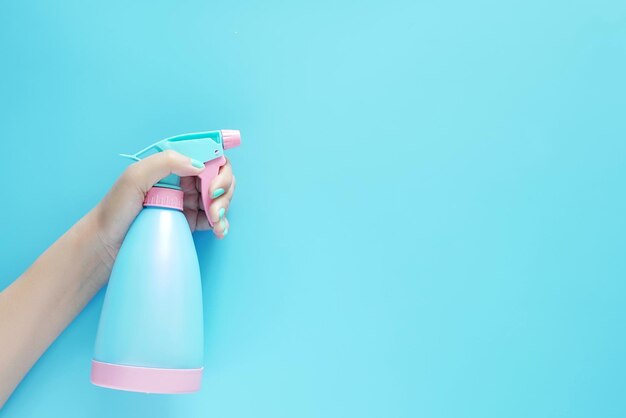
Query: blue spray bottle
point(150, 336)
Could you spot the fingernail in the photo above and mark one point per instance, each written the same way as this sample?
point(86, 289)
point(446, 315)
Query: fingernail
point(225, 232)
point(196, 163)
point(221, 213)
point(224, 227)
point(218, 193)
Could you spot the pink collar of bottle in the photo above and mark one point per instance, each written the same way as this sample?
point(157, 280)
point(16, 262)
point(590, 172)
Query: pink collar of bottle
point(164, 197)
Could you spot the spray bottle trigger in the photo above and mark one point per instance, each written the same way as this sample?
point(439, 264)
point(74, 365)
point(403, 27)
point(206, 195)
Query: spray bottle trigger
point(211, 169)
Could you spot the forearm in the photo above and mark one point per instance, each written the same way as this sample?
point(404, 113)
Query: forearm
point(38, 306)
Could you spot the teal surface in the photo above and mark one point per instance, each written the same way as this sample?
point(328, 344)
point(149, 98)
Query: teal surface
point(429, 219)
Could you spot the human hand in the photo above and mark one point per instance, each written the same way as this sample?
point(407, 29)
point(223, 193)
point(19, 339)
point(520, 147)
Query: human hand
point(116, 212)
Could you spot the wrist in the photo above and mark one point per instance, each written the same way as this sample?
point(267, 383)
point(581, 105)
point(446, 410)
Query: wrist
point(96, 253)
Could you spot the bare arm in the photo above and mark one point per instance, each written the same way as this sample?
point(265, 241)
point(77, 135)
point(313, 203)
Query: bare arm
point(46, 298)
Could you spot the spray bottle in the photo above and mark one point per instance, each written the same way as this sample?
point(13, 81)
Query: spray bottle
point(150, 335)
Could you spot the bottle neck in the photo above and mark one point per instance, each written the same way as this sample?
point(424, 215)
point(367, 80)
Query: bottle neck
point(164, 197)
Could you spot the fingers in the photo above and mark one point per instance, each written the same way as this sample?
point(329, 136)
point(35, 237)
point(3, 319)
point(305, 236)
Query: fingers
point(219, 206)
point(222, 188)
point(146, 173)
point(220, 229)
point(222, 182)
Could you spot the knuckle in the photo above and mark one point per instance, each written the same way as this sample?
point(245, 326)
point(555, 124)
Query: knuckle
point(131, 173)
point(170, 157)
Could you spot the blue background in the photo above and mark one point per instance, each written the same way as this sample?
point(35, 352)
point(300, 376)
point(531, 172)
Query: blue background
point(430, 213)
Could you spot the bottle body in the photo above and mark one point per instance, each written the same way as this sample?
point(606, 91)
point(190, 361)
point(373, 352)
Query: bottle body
point(150, 336)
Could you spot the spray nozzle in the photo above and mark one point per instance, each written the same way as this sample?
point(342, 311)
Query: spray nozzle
point(207, 147)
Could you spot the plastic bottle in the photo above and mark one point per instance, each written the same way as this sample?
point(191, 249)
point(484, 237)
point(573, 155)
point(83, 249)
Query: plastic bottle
point(150, 336)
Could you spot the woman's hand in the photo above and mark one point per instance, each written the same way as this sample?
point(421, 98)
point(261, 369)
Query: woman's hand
point(116, 212)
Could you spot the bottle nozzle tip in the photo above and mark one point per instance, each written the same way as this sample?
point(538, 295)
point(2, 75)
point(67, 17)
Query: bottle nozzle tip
point(231, 138)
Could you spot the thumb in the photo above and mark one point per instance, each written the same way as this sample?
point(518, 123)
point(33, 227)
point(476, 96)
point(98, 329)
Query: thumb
point(146, 173)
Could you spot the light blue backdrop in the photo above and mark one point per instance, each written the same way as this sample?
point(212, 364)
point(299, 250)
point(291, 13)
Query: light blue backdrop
point(430, 216)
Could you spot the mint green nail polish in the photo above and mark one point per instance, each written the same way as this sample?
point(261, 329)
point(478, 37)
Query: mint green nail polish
point(221, 213)
point(226, 232)
point(218, 193)
point(196, 163)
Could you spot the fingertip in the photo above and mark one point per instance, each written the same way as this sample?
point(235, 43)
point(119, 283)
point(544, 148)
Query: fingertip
point(197, 164)
point(221, 228)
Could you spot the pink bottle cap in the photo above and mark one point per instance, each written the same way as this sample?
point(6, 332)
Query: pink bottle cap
point(231, 138)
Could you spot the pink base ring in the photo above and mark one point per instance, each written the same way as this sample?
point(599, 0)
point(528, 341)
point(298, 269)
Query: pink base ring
point(145, 379)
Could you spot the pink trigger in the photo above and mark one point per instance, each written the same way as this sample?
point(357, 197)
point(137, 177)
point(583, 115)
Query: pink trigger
point(211, 168)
